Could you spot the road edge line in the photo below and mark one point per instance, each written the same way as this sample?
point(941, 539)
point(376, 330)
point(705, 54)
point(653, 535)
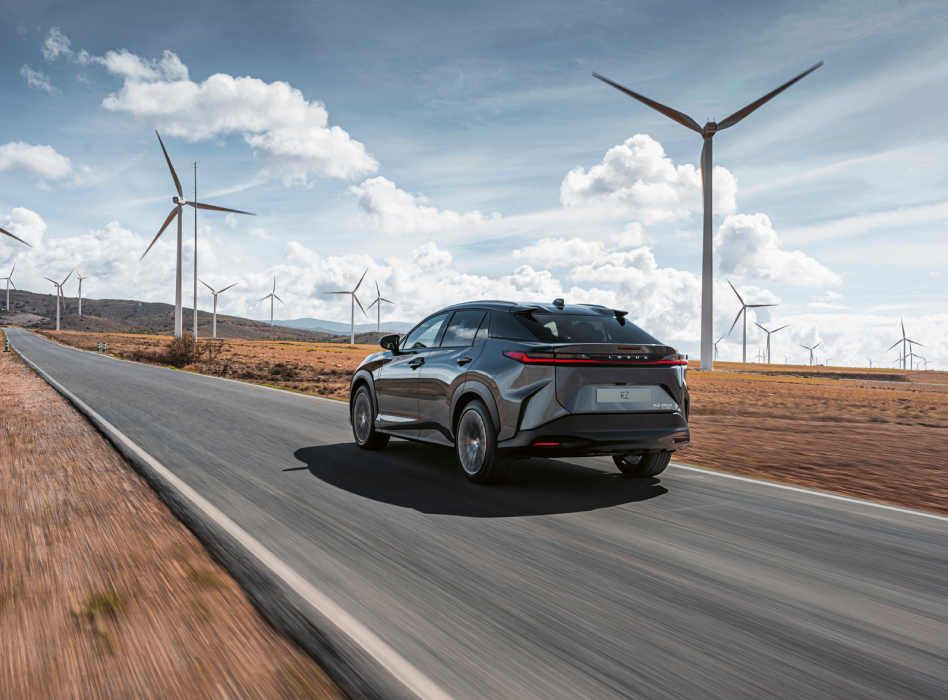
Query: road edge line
point(811, 492)
point(359, 635)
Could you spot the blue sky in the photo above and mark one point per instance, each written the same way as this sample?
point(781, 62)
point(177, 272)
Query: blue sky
point(486, 110)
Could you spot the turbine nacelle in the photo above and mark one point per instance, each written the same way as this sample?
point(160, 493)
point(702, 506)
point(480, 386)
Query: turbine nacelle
point(709, 130)
point(181, 201)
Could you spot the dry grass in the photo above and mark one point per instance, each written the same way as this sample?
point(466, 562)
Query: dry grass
point(103, 594)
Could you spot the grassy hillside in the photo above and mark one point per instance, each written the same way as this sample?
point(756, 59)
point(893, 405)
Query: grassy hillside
point(129, 316)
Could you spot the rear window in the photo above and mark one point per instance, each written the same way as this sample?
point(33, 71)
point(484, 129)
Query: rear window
point(565, 328)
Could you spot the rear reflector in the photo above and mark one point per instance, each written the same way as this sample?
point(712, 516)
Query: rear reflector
point(548, 358)
point(680, 440)
point(546, 444)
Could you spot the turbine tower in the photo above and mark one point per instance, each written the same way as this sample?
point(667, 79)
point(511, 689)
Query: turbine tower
point(769, 333)
point(707, 165)
point(811, 350)
point(378, 300)
point(743, 312)
point(180, 201)
point(19, 239)
point(905, 354)
point(9, 280)
point(271, 296)
point(80, 289)
point(355, 300)
point(214, 327)
point(59, 295)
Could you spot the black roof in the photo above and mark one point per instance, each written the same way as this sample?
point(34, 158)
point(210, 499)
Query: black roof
point(494, 304)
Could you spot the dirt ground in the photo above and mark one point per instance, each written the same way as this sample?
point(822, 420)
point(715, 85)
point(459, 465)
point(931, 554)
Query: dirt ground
point(879, 434)
point(103, 593)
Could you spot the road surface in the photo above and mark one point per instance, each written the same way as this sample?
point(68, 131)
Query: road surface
point(571, 581)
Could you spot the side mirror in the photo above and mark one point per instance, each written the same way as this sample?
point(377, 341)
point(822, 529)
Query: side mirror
point(390, 342)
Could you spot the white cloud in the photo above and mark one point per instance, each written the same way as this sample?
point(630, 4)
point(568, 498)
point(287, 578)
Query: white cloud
point(56, 45)
point(231, 221)
point(560, 252)
point(747, 245)
point(935, 274)
point(632, 236)
point(260, 233)
point(389, 209)
point(638, 179)
point(39, 80)
point(290, 135)
point(39, 161)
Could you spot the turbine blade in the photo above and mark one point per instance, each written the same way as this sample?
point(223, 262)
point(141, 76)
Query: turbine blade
point(821, 342)
point(279, 299)
point(389, 301)
point(914, 342)
point(378, 292)
point(360, 281)
point(740, 114)
point(160, 231)
point(736, 320)
point(13, 269)
point(211, 207)
point(735, 291)
point(758, 306)
point(170, 166)
point(679, 117)
point(781, 328)
point(337, 292)
point(372, 304)
point(894, 344)
point(67, 277)
point(226, 288)
point(53, 281)
point(17, 238)
point(12, 285)
point(266, 297)
point(359, 303)
point(207, 285)
point(762, 328)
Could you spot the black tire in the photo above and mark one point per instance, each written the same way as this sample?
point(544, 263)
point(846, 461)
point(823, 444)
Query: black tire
point(641, 466)
point(363, 421)
point(475, 445)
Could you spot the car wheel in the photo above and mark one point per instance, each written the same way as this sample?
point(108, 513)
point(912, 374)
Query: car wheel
point(650, 464)
point(363, 422)
point(476, 447)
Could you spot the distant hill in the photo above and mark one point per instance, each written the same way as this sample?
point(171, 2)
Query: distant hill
point(130, 316)
point(322, 326)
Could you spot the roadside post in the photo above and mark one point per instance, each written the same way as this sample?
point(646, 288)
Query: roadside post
point(6, 345)
point(103, 346)
point(98, 346)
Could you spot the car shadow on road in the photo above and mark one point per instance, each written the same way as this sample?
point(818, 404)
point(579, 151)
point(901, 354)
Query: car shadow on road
point(427, 479)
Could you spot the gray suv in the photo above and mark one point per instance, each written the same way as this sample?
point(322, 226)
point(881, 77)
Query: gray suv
point(498, 380)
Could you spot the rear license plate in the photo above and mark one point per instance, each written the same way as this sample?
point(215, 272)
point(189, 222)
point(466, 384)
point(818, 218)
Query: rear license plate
point(623, 394)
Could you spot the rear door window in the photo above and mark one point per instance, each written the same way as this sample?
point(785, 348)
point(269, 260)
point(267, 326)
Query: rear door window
point(462, 328)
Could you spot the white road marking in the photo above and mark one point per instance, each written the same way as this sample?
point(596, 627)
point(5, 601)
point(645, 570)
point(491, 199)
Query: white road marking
point(413, 679)
point(812, 492)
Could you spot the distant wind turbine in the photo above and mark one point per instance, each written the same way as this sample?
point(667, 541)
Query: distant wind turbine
point(811, 350)
point(59, 295)
point(17, 238)
point(355, 300)
point(707, 133)
point(378, 300)
point(214, 327)
point(716, 346)
point(743, 312)
point(870, 362)
point(9, 280)
point(80, 289)
point(180, 201)
point(271, 296)
point(786, 359)
point(905, 353)
point(769, 333)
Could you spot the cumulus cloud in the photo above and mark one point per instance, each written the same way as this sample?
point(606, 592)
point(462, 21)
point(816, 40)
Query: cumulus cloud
point(387, 208)
point(231, 221)
point(561, 252)
point(747, 245)
point(637, 178)
point(260, 233)
point(291, 138)
point(39, 80)
point(55, 45)
point(631, 236)
point(38, 161)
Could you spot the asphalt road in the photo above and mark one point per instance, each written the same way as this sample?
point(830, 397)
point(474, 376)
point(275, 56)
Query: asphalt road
point(571, 581)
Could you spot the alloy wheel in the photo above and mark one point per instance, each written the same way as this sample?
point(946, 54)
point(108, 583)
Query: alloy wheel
point(362, 417)
point(472, 441)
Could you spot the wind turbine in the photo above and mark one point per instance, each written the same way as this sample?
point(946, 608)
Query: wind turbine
point(19, 239)
point(743, 311)
point(786, 359)
point(355, 300)
point(271, 296)
point(214, 331)
point(59, 294)
point(716, 346)
point(180, 201)
point(707, 134)
point(378, 300)
point(811, 350)
point(80, 288)
point(9, 280)
point(904, 340)
point(870, 362)
point(769, 333)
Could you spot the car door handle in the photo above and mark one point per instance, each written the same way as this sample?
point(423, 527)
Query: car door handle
point(415, 364)
point(464, 360)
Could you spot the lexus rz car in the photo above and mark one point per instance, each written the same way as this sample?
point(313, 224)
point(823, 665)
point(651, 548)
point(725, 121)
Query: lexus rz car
point(497, 381)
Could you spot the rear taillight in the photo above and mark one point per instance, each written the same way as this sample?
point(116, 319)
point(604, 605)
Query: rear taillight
point(549, 358)
point(681, 439)
point(546, 444)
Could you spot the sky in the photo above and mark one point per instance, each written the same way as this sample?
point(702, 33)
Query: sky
point(462, 151)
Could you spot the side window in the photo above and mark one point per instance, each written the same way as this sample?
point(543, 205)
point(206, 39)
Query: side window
point(461, 330)
point(425, 335)
point(482, 331)
point(504, 325)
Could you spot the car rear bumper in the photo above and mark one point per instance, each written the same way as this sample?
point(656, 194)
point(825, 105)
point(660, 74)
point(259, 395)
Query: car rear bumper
point(601, 433)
